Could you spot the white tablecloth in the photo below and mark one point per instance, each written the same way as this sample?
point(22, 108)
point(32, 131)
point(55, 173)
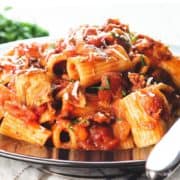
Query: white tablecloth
point(17, 170)
point(159, 20)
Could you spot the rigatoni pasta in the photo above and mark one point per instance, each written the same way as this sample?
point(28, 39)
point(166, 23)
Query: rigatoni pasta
point(89, 73)
point(33, 88)
point(68, 138)
point(18, 129)
point(99, 88)
point(146, 125)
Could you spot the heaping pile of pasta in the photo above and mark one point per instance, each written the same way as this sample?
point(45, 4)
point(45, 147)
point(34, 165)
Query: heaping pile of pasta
point(100, 88)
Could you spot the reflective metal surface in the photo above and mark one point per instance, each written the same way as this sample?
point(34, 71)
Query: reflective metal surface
point(77, 163)
point(165, 156)
point(24, 151)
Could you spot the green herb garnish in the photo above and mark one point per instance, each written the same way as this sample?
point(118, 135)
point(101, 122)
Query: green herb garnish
point(41, 100)
point(106, 87)
point(124, 93)
point(115, 35)
point(84, 121)
point(123, 40)
point(95, 87)
point(70, 127)
point(75, 121)
point(72, 80)
point(133, 37)
point(119, 119)
point(107, 84)
point(143, 62)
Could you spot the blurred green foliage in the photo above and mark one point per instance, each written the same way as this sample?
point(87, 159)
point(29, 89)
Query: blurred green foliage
point(11, 30)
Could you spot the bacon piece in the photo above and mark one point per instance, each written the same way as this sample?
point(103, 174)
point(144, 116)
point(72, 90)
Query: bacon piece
point(121, 129)
point(102, 137)
point(90, 31)
point(32, 50)
point(137, 80)
point(154, 50)
point(115, 23)
point(81, 132)
point(111, 87)
point(154, 105)
point(39, 110)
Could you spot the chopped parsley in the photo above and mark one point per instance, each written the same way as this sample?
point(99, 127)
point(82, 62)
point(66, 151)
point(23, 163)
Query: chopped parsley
point(78, 121)
point(133, 37)
point(124, 93)
point(70, 127)
point(40, 100)
point(84, 121)
point(119, 119)
point(75, 121)
point(72, 80)
point(115, 35)
point(106, 87)
point(123, 40)
point(142, 60)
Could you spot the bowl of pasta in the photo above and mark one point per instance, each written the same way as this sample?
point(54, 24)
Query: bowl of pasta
point(101, 97)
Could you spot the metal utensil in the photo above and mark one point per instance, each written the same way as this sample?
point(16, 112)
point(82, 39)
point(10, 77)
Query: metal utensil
point(165, 156)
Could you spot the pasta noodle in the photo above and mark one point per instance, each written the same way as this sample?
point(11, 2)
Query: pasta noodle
point(63, 127)
point(33, 88)
point(55, 64)
point(18, 129)
point(89, 73)
point(147, 127)
point(99, 88)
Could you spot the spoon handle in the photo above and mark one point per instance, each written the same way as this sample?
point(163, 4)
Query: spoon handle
point(165, 156)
